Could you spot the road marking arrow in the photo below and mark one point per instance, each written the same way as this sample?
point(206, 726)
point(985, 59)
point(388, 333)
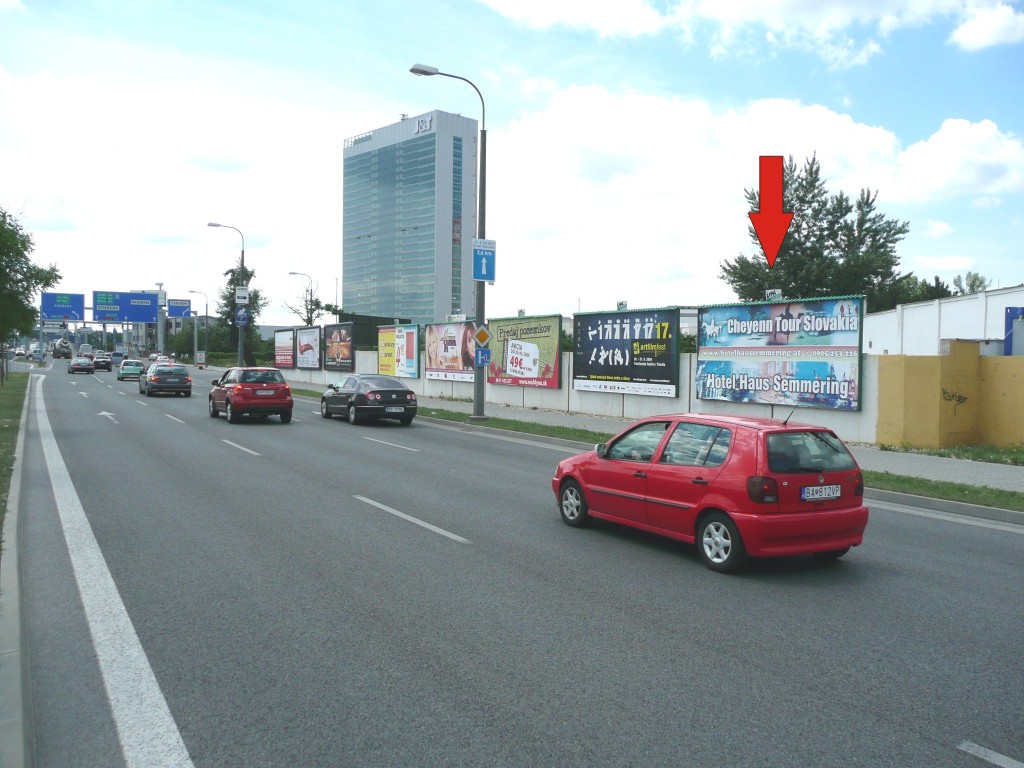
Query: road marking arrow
point(109, 416)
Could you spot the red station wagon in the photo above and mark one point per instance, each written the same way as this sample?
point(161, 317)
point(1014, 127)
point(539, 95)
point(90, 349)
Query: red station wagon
point(735, 486)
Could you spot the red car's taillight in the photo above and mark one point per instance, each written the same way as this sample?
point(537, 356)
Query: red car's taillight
point(763, 490)
point(858, 485)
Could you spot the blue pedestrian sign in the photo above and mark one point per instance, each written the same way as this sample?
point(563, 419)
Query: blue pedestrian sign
point(241, 316)
point(483, 357)
point(483, 260)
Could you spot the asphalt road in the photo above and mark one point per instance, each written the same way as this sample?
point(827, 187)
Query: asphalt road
point(321, 594)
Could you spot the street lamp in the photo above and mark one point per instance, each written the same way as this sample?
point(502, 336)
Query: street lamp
point(244, 277)
point(480, 373)
point(206, 326)
point(308, 302)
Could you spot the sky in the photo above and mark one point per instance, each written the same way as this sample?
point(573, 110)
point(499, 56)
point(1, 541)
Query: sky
point(621, 135)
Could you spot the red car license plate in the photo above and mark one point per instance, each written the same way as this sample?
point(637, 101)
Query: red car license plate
point(815, 492)
point(264, 391)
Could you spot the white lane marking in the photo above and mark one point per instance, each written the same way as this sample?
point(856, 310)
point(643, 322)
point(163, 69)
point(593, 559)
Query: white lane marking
point(109, 416)
point(145, 727)
point(239, 447)
point(84, 394)
point(988, 755)
point(174, 418)
point(508, 439)
point(412, 519)
point(978, 522)
point(393, 445)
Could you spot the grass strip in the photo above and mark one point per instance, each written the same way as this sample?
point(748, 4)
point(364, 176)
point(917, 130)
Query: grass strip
point(12, 399)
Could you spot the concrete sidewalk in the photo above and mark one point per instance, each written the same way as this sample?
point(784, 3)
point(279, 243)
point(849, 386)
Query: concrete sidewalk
point(1001, 476)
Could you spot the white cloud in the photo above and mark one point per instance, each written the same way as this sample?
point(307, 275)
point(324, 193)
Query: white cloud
point(948, 264)
point(622, 18)
point(842, 32)
point(643, 200)
point(936, 229)
point(961, 158)
point(987, 201)
point(986, 25)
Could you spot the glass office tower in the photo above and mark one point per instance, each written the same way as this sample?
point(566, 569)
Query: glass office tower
point(410, 219)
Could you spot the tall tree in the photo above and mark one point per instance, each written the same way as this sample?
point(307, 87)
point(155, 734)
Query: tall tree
point(835, 245)
point(973, 282)
point(227, 307)
point(20, 279)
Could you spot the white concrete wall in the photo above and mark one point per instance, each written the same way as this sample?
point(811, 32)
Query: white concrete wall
point(856, 426)
point(919, 329)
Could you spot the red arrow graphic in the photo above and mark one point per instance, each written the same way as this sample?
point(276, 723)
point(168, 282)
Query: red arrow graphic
point(771, 223)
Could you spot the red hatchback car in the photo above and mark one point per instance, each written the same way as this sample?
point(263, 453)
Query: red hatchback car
point(251, 392)
point(735, 486)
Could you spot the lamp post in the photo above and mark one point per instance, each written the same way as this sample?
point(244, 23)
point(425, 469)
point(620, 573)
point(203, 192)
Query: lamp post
point(206, 326)
point(309, 301)
point(244, 277)
point(480, 372)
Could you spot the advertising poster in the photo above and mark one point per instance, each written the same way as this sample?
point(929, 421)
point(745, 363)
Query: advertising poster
point(398, 350)
point(307, 348)
point(386, 350)
point(633, 352)
point(448, 351)
point(284, 348)
point(802, 353)
point(339, 356)
point(525, 351)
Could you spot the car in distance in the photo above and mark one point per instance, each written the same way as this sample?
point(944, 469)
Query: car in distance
point(362, 396)
point(81, 365)
point(165, 378)
point(86, 350)
point(734, 486)
point(101, 360)
point(130, 369)
point(251, 391)
point(116, 358)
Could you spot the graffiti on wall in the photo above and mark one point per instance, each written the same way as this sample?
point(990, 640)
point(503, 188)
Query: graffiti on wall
point(952, 396)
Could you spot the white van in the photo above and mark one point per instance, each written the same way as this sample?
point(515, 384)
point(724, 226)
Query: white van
point(86, 351)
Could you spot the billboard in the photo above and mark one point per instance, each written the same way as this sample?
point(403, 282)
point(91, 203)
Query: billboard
point(633, 352)
point(525, 351)
point(284, 348)
point(307, 348)
point(398, 351)
point(114, 307)
point(339, 353)
point(62, 306)
point(804, 352)
point(448, 349)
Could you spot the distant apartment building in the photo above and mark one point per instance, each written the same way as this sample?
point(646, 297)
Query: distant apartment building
point(410, 219)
